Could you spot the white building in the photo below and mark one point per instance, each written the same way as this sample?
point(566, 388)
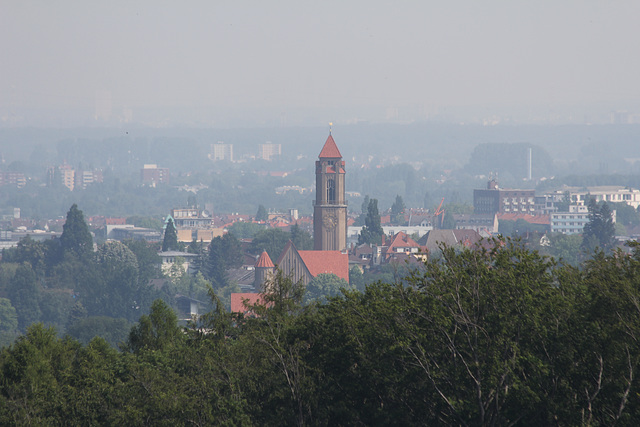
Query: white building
point(572, 222)
point(607, 193)
point(269, 150)
point(221, 151)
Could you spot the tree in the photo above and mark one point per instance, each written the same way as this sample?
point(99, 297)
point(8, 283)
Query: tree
point(372, 231)
point(301, 239)
point(272, 240)
point(156, 331)
point(245, 230)
point(76, 237)
point(25, 292)
point(8, 322)
point(599, 231)
point(363, 211)
point(262, 214)
point(114, 331)
point(324, 286)
point(170, 240)
point(448, 222)
point(356, 278)
point(397, 211)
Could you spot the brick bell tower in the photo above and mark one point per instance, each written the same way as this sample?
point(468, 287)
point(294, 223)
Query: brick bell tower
point(330, 206)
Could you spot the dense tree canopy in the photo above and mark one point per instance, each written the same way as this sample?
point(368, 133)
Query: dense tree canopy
point(493, 335)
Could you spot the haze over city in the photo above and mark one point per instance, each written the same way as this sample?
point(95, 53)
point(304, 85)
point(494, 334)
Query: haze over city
point(227, 64)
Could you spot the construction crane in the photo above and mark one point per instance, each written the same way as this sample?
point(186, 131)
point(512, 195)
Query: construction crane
point(440, 212)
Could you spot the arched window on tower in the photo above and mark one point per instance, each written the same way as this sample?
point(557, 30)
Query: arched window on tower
point(331, 190)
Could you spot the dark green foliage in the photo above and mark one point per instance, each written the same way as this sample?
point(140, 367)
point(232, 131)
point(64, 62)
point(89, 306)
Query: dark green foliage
point(448, 221)
point(324, 286)
point(114, 331)
point(224, 253)
point(25, 293)
point(8, 322)
point(262, 214)
point(75, 237)
point(356, 278)
point(170, 239)
point(300, 238)
point(156, 331)
point(272, 240)
point(397, 211)
point(245, 230)
point(599, 232)
point(372, 230)
point(488, 336)
point(147, 258)
point(146, 222)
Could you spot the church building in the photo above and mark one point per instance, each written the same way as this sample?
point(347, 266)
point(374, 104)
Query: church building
point(329, 228)
point(330, 206)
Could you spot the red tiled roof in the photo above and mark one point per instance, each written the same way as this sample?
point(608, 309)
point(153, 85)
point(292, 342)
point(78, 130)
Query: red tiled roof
point(402, 240)
point(329, 262)
point(237, 301)
point(330, 150)
point(531, 219)
point(264, 261)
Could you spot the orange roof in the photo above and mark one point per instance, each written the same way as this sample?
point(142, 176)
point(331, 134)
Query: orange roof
point(264, 261)
point(531, 219)
point(329, 262)
point(402, 240)
point(237, 301)
point(330, 149)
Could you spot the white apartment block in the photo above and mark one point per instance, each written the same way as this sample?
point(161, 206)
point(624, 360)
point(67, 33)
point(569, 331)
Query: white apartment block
point(572, 222)
point(607, 193)
point(269, 150)
point(221, 151)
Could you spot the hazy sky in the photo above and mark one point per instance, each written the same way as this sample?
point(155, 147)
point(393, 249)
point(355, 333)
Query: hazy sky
point(292, 54)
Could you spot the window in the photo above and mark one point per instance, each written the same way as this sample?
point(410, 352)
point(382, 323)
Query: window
point(331, 190)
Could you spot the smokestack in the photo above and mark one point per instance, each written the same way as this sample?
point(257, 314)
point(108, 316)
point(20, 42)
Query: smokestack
point(530, 159)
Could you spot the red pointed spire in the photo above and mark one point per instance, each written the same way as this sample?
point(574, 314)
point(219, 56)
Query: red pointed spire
point(264, 261)
point(330, 150)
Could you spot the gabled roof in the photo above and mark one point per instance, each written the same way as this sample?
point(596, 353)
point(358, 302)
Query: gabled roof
point(402, 240)
point(264, 261)
point(326, 262)
point(237, 301)
point(531, 219)
point(330, 149)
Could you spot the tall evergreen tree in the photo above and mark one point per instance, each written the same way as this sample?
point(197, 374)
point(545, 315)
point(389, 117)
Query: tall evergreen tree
point(599, 231)
point(397, 211)
point(372, 230)
point(76, 237)
point(170, 241)
point(262, 214)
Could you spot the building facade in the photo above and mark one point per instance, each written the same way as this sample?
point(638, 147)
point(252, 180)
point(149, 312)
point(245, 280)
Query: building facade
point(269, 150)
point(571, 222)
point(330, 206)
point(221, 151)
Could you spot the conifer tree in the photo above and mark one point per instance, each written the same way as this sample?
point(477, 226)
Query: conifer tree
point(372, 230)
point(76, 237)
point(170, 241)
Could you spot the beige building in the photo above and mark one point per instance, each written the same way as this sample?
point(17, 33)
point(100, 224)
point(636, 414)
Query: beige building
point(269, 150)
point(221, 151)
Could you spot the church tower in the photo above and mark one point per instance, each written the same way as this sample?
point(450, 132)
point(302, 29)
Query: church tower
point(330, 206)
